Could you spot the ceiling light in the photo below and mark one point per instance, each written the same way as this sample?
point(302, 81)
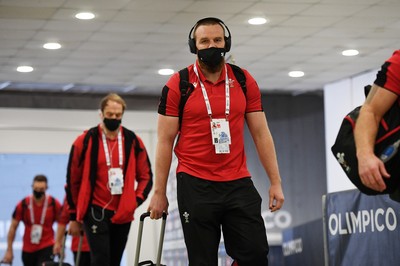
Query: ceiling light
point(25, 69)
point(52, 46)
point(166, 71)
point(296, 74)
point(257, 21)
point(85, 15)
point(350, 52)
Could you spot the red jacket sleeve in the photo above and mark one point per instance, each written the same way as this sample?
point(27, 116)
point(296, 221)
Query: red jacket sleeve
point(144, 175)
point(64, 214)
point(74, 175)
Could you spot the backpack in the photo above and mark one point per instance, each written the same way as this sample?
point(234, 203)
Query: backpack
point(344, 148)
point(186, 87)
point(52, 204)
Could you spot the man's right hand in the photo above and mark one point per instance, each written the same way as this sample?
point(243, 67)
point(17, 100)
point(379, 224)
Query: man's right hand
point(75, 228)
point(372, 171)
point(158, 205)
point(57, 248)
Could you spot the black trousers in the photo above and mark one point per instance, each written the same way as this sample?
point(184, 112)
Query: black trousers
point(206, 207)
point(106, 240)
point(38, 257)
point(84, 259)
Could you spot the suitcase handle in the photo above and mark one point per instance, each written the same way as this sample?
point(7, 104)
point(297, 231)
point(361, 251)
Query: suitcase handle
point(147, 214)
point(62, 251)
point(140, 233)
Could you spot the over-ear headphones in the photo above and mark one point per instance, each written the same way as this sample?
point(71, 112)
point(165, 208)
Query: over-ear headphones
point(192, 41)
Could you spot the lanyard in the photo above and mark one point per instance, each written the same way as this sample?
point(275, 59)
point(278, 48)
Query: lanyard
point(43, 211)
point(120, 155)
point(206, 99)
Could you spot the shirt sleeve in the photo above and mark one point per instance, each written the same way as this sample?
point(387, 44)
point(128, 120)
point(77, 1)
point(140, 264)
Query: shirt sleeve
point(253, 94)
point(388, 76)
point(64, 215)
point(18, 212)
point(170, 97)
point(58, 207)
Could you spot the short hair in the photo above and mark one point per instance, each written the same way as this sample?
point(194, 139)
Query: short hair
point(207, 21)
point(112, 97)
point(40, 178)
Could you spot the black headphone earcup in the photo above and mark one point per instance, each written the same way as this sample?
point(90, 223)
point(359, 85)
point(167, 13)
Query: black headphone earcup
point(227, 44)
point(192, 46)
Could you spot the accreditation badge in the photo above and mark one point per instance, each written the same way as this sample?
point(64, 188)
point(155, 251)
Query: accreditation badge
point(36, 233)
point(115, 180)
point(221, 136)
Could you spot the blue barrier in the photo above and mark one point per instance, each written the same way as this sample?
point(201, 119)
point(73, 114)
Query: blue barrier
point(361, 229)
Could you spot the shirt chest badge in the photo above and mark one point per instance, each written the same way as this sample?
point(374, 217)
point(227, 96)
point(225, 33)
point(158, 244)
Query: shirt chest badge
point(231, 83)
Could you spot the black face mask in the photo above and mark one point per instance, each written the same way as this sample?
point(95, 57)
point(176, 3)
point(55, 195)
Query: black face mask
point(211, 57)
point(112, 124)
point(38, 194)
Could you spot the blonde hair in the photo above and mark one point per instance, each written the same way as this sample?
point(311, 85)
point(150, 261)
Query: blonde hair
point(112, 97)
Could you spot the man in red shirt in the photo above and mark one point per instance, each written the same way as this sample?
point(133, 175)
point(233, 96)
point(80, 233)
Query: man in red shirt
point(38, 212)
point(108, 176)
point(84, 259)
point(384, 92)
point(213, 183)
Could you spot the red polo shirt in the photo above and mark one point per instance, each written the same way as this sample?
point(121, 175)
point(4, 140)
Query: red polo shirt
point(22, 213)
point(195, 151)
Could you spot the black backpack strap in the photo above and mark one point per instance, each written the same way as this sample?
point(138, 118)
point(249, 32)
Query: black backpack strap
point(89, 133)
point(240, 77)
point(24, 206)
point(130, 139)
point(186, 89)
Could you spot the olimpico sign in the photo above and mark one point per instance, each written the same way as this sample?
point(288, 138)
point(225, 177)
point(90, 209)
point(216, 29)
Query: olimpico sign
point(281, 219)
point(362, 221)
point(355, 224)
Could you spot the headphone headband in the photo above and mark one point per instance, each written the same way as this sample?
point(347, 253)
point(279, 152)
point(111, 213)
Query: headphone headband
point(192, 42)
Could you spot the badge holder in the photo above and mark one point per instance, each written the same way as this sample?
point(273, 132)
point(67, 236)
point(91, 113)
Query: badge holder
point(36, 233)
point(115, 181)
point(221, 136)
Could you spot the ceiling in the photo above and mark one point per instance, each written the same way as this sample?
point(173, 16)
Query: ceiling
point(122, 49)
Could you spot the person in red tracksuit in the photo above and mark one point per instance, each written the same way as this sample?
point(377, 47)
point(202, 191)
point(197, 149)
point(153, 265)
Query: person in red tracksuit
point(38, 212)
point(384, 93)
point(108, 176)
point(84, 259)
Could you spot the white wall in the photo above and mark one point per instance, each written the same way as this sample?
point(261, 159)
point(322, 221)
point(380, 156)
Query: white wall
point(50, 131)
point(339, 99)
